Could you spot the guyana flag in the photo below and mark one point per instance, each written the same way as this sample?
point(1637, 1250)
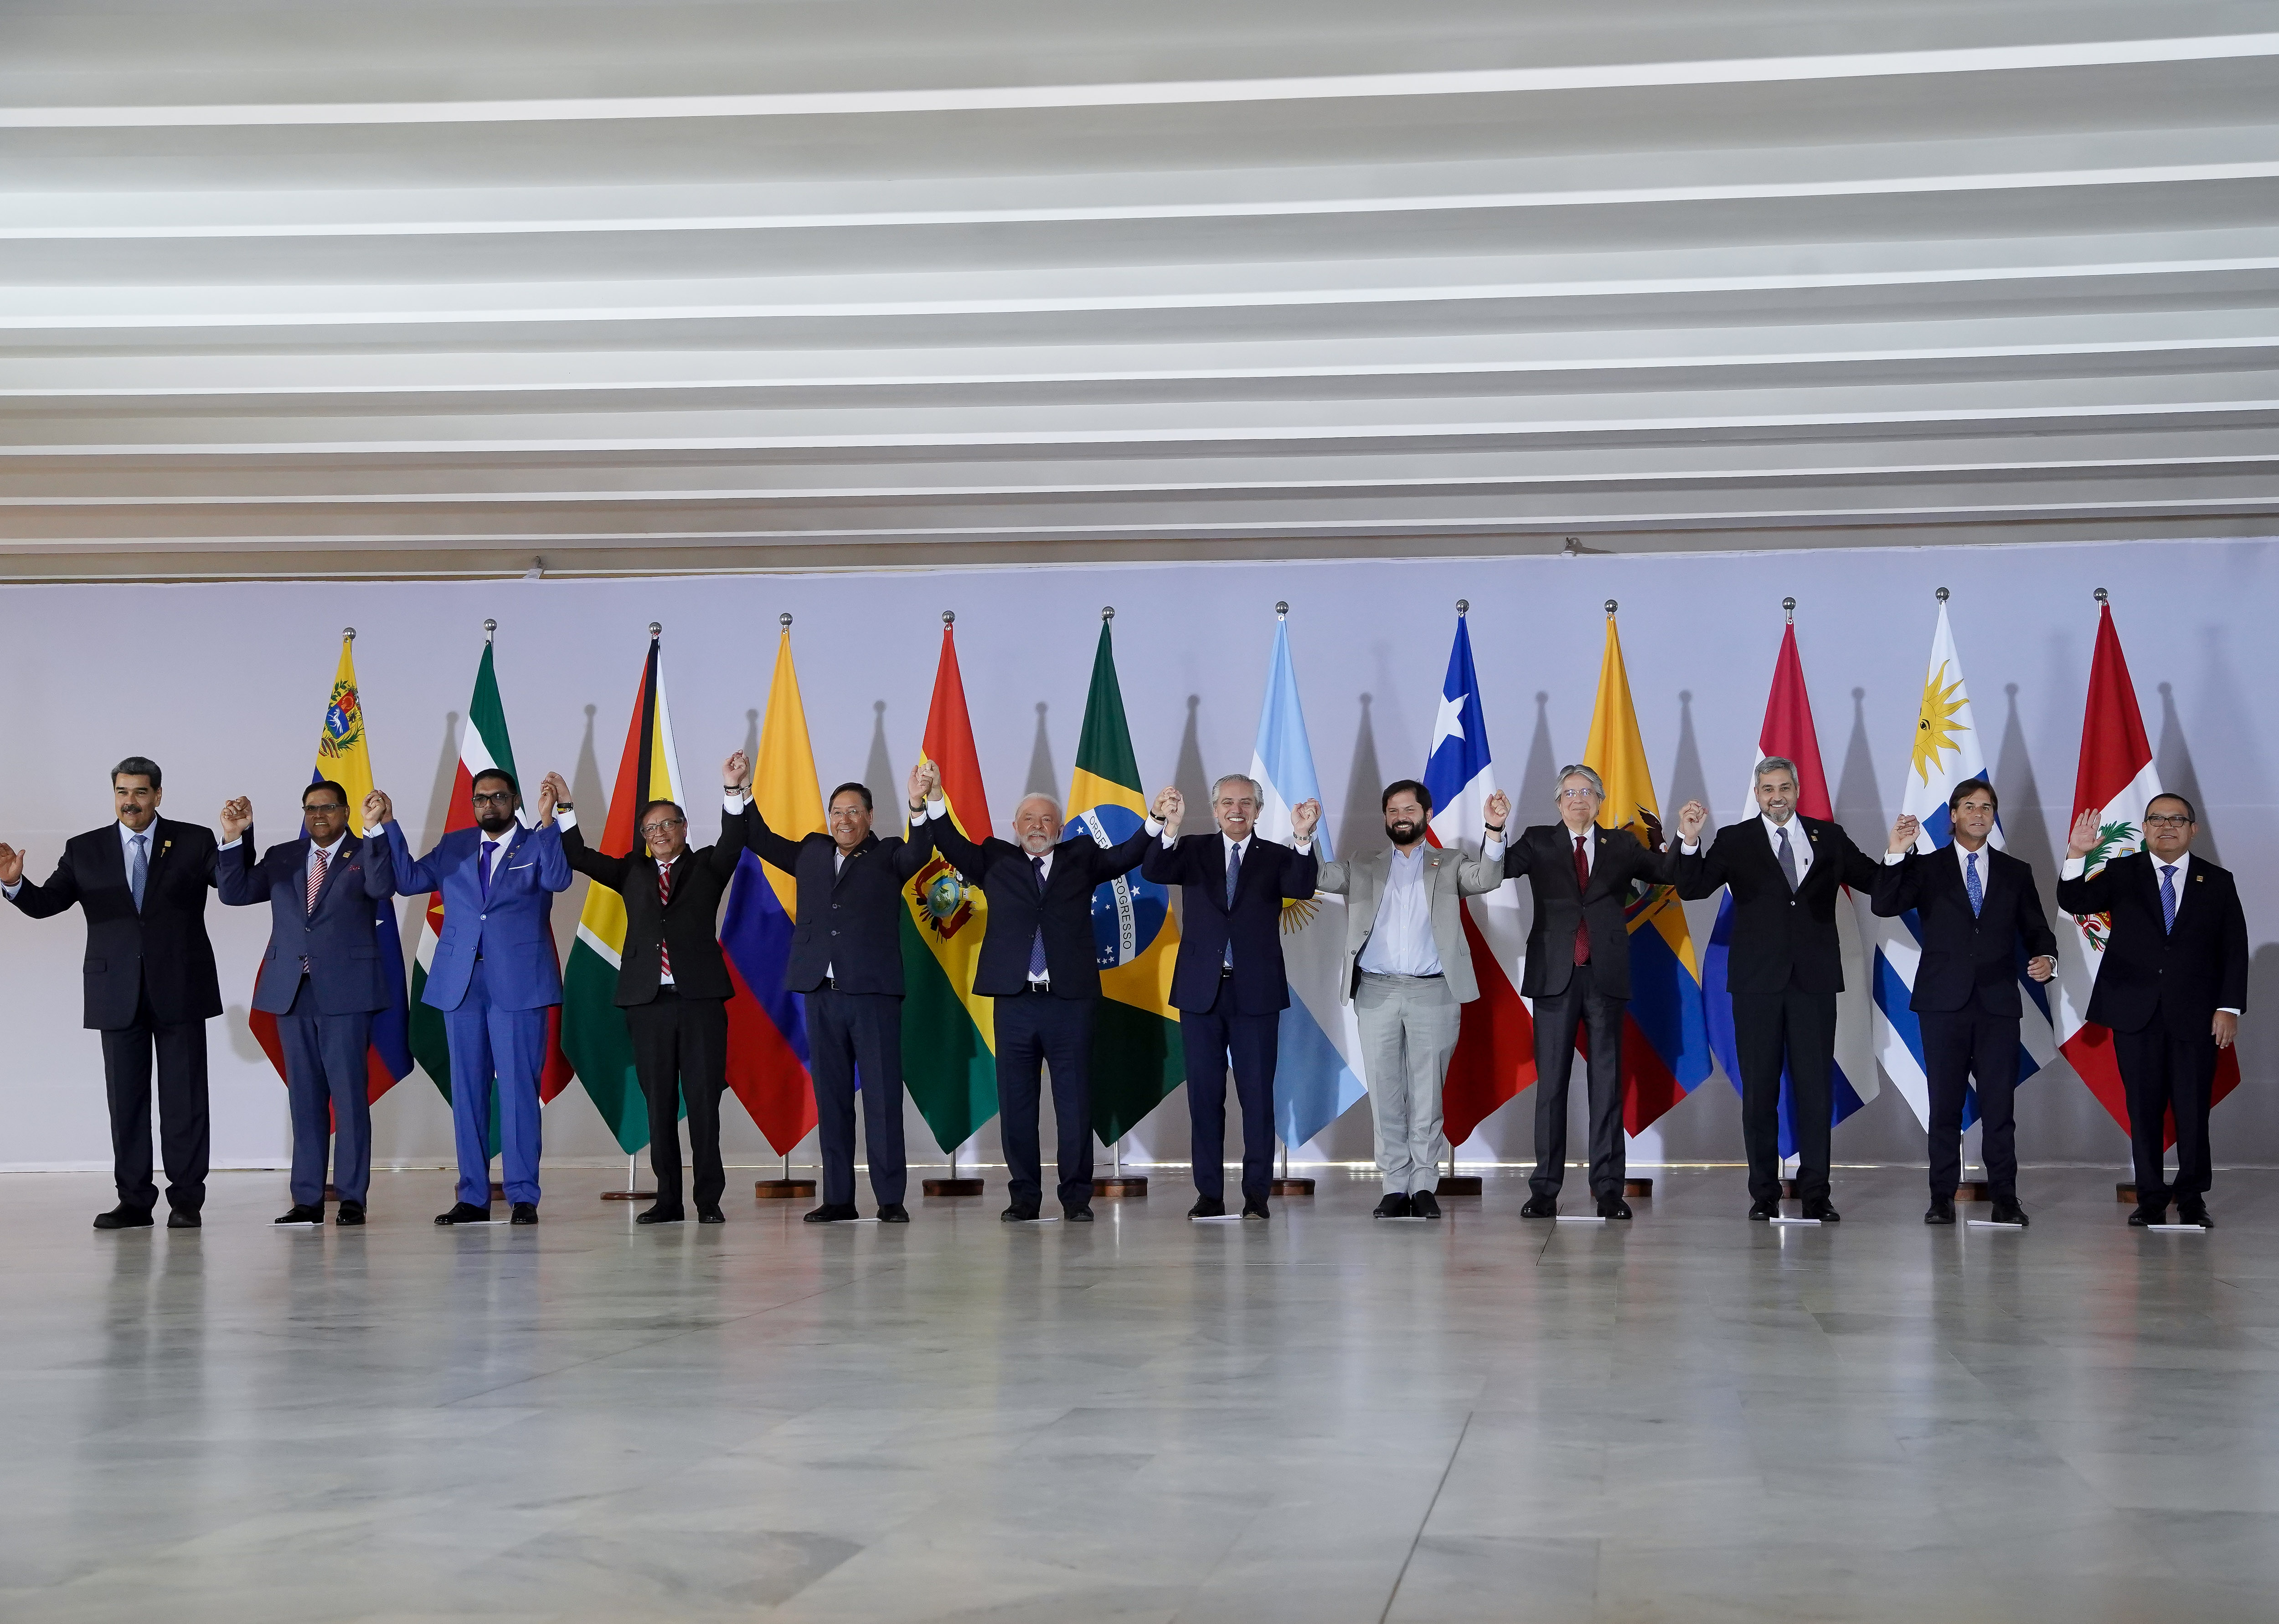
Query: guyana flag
point(949, 1059)
point(1136, 1060)
point(593, 1027)
point(483, 745)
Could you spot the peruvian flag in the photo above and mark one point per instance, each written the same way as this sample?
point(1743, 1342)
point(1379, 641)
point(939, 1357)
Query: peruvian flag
point(1495, 1045)
point(2116, 780)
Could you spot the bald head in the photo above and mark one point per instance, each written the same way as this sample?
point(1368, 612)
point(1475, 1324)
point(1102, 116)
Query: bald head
point(1037, 824)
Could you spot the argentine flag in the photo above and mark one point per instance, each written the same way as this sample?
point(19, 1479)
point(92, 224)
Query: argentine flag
point(1316, 1074)
point(1946, 750)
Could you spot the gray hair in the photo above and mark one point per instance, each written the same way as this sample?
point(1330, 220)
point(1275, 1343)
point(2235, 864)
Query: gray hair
point(1225, 779)
point(1776, 764)
point(1577, 770)
point(1039, 795)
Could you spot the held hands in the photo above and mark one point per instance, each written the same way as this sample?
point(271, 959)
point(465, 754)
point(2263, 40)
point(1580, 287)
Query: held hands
point(2082, 841)
point(1303, 817)
point(11, 865)
point(2042, 968)
point(736, 773)
point(1692, 817)
point(1903, 832)
point(236, 817)
point(552, 792)
point(377, 810)
point(1498, 810)
point(925, 782)
point(1170, 806)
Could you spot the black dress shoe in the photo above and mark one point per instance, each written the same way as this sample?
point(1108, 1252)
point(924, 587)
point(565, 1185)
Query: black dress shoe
point(1822, 1210)
point(1254, 1209)
point(303, 1214)
point(523, 1212)
point(2144, 1215)
point(464, 1212)
point(2194, 1212)
point(1614, 1206)
point(711, 1214)
point(831, 1212)
point(1941, 1211)
point(350, 1212)
point(1207, 1207)
point(2010, 1212)
point(1020, 1211)
point(1393, 1207)
point(1540, 1207)
point(124, 1218)
point(894, 1212)
point(184, 1218)
point(1078, 1212)
point(663, 1214)
point(1424, 1204)
point(1763, 1212)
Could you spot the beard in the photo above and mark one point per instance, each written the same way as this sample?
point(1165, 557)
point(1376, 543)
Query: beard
point(495, 822)
point(1404, 833)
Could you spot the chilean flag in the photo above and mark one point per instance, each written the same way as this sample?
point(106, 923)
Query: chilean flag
point(1495, 1045)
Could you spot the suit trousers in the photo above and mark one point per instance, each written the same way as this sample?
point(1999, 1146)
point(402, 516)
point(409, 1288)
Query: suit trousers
point(2168, 1067)
point(1212, 1038)
point(1958, 1045)
point(1558, 1017)
point(1033, 1028)
point(496, 1055)
point(1795, 1030)
point(1408, 1026)
point(328, 1081)
point(855, 1044)
point(680, 1054)
point(184, 1137)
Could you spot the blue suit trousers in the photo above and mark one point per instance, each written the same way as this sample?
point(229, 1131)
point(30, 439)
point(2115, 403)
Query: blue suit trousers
point(505, 1050)
point(327, 1076)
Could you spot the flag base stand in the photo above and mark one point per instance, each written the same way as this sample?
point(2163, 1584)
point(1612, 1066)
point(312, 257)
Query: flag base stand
point(952, 1186)
point(1120, 1186)
point(2126, 1195)
point(1458, 1184)
point(1291, 1187)
point(783, 1190)
point(630, 1192)
point(1970, 1189)
point(1641, 1188)
point(1788, 1191)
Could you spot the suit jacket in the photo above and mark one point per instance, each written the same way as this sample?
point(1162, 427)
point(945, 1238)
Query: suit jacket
point(1546, 855)
point(338, 937)
point(1449, 877)
point(1271, 875)
point(2185, 975)
point(162, 951)
point(1970, 961)
point(1780, 940)
point(848, 917)
point(1017, 908)
point(688, 924)
point(511, 931)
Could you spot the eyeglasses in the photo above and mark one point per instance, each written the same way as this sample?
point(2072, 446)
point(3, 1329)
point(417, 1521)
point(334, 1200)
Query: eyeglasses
point(308, 806)
point(2167, 820)
point(649, 832)
point(504, 798)
point(1579, 793)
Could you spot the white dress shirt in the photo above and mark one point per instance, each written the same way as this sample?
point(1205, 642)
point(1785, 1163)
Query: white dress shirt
point(1800, 844)
point(1401, 941)
point(127, 839)
point(1984, 855)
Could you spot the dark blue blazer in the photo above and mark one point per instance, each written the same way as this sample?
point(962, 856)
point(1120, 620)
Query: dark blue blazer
point(340, 938)
point(1270, 874)
point(2185, 975)
point(162, 952)
point(1970, 961)
point(1017, 910)
point(512, 932)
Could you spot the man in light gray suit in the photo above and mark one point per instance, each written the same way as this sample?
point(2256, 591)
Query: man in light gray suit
point(1409, 973)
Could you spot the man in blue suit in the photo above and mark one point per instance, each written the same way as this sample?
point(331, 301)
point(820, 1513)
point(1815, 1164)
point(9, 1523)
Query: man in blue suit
point(495, 977)
point(321, 977)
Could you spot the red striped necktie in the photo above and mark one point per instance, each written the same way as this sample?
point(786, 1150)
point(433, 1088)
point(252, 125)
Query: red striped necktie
point(664, 896)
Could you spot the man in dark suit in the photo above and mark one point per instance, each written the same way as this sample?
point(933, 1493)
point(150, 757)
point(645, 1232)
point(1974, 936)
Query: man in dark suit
point(1578, 976)
point(1228, 985)
point(150, 981)
point(1787, 873)
point(672, 982)
point(1976, 908)
point(846, 963)
point(1038, 961)
point(322, 978)
point(2171, 985)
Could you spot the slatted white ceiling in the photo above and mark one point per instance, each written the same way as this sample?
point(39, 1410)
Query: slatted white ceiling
point(378, 287)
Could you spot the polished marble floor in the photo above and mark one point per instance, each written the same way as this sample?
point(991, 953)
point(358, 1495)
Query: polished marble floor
point(1324, 1418)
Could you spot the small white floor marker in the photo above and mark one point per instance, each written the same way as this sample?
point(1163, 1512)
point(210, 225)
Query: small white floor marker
point(1579, 1218)
point(1796, 1222)
point(1222, 1218)
point(1988, 1223)
point(2175, 1229)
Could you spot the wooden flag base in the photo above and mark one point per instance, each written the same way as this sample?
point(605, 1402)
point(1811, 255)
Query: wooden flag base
point(1641, 1188)
point(629, 1195)
point(1970, 1189)
point(1458, 1184)
point(951, 1186)
point(1788, 1191)
point(1291, 1187)
point(783, 1190)
point(1120, 1186)
point(2126, 1195)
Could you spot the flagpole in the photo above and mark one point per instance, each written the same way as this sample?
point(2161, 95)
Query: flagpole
point(956, 1184)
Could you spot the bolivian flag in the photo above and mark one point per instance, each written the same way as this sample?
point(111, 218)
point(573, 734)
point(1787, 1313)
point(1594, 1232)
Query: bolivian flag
point(949, 1059)
point(593, 1027)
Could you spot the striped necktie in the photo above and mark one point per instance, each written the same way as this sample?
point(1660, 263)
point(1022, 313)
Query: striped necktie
point(316, 877)
point(664, 896)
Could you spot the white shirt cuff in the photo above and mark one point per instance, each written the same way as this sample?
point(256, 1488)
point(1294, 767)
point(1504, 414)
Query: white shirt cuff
point(2072, 867)
point(226, 845)
point(373, 834)
point(1688, 847)
point(733, 804)
point(2233, 1013)
point(564, 818)
point(9, 892)
point(1892, 860)
point(1154, 826)
point(936, 807)
point(1492, 846)
point(1304, 846)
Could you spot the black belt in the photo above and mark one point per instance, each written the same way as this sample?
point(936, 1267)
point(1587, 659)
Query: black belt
point(1037, 986)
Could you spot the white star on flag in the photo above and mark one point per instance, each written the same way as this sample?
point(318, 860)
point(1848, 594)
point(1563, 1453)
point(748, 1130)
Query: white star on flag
point(1450, 723)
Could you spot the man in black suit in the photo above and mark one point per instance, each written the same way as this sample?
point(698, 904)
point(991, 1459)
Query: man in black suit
point(1039, 961)
point(1577, 975)
point(321, 977)
point(1228, 985)
point(672, 982)
point(1976, 908)
point(846, 963)
point(2171, 985)
point(1787, 873)
point(150, 981)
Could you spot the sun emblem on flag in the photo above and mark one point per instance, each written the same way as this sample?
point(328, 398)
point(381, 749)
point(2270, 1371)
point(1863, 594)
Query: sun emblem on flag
point(343, 722)
point(1299, 912)
point(942, 899)
point(1935, 726)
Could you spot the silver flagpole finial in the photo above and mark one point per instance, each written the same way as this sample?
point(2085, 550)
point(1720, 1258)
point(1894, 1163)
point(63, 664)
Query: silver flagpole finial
point(2102, 596)
point(656, 628)
point(1108, 611)
point(1611, 607)
point(949, 618)
point(1282, 611)
point(784, 620)
point(1940, 594)
point(348, 634)
point(1789, 606)
point(1463, 607)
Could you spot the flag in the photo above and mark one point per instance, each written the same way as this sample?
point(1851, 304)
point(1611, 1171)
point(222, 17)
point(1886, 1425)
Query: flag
point(1136, 1059)
point(1665, 1030)
point(344, 757)
point(2117, 780)
point(1495, 1045)
point(1317, 1078)
point(593, 1027)
point(1788, 732)
point(767, 1023)
point(483, 745)
point(1946, 750)
point(949, 1033)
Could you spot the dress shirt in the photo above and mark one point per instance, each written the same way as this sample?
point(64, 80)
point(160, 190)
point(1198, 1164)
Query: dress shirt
point(1985, 859)
point(939, 807)
point(1799, 845)
point(125, 849)
point(1590, 846)
point(1401, 941)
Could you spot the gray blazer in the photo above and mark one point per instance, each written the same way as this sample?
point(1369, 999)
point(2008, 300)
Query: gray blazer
point(1452, 876)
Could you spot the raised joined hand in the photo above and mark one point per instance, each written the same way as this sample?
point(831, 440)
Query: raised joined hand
point(11, 865)
point(236, 817)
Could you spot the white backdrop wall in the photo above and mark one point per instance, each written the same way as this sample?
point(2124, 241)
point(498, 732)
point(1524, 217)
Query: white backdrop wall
point(224, 684)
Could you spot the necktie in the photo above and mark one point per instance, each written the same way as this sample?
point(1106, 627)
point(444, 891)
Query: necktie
point(490, 850)
point(1582, 884)
point(1787, 860)
point(664, 896)
point(1037, 948)
point(138, 873)
point(317, 878)
point(2168, 896)
point(1234, 873)
point(1970, 883)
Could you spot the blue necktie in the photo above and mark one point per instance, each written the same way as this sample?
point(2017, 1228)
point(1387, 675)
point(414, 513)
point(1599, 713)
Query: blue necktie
point(490, 849)
point(139, 874)
point(1037, 948)
point(1970, 883)
point(1233, 874)
point(1787, 860)
point(2168, 897)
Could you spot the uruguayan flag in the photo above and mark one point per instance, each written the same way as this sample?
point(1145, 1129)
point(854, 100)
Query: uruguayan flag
point(1316, 1077)
point(1947, 750)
